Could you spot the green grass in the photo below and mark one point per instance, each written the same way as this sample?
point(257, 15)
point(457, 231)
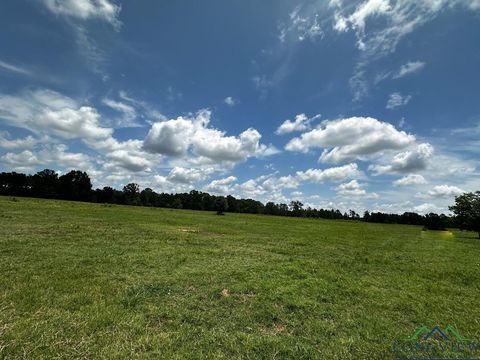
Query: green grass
point(102, 281)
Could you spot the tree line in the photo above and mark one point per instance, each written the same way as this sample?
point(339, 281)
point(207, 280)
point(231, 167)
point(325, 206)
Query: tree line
point(76, 185)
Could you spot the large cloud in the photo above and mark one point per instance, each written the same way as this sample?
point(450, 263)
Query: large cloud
point(176, 136)
point(340, 173)
point(28, 142)
point(408, 161)
point(352, 138)
point(171, 137)
point(222, 186)
point(53, 156)
point(188, 176)
point(441, 191)
point(410, 179)
point(48, 112)
point(353, 188)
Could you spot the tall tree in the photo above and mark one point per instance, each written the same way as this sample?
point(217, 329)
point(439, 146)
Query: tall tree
point(221, 205)
point(132, 194)
point(146, 197)
point(75, 185)
point(296, 207)
point(467, 211)
point(45, 184)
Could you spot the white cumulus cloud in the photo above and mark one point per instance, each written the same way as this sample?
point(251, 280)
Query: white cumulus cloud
point(301, 123)
point(188, 175)
point(222, 186)
point(340, 173)
point(352, 138)
point(353, 188)
point(48, 112)
point(176, 136)
point(407, 161)
point(410, 179)
point(53, 156)
point(442, 191)
point(6, 142)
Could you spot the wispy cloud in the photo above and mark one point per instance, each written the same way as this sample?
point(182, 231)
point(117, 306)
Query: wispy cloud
point(301, 27)
point(14, 68)
point(93, 55)
point(128, 114)
point(396, 100)
point(409, 68)
point(77, 12)
point(379, 25)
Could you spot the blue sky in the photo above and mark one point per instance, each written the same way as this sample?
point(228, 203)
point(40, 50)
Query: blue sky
point(348, 104)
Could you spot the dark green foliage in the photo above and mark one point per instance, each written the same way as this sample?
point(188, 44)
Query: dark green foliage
point(132, 194)
point(45, 184)
point(75, 185)
point(467, 211)
point(221, 205)
point(435, 222)
point(296, 207)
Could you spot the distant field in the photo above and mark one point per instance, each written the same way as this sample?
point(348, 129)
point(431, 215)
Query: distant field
point(99, 281)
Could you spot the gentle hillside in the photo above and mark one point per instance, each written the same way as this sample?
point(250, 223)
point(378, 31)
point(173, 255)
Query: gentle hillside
point(85, 280)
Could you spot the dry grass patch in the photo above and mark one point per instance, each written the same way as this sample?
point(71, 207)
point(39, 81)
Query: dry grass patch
point(272, 330)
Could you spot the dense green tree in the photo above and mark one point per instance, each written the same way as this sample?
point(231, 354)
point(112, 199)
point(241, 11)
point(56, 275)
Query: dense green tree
point(296, 208)
point(132, 194)
point(147, 197)
point(75, 185)
point(177, 203)
point(271, 208)
point(105, 195)
point(45, 184)
point(14, 184)
point(435, 221)
point(221, 205)
point(467, 211)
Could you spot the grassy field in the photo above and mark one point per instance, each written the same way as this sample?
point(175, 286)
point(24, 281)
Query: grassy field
point(100, 281)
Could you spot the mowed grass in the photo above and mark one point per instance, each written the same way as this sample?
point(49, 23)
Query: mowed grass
point(91, 281)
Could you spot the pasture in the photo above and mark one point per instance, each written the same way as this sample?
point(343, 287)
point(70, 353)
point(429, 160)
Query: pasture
point(81, 280)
